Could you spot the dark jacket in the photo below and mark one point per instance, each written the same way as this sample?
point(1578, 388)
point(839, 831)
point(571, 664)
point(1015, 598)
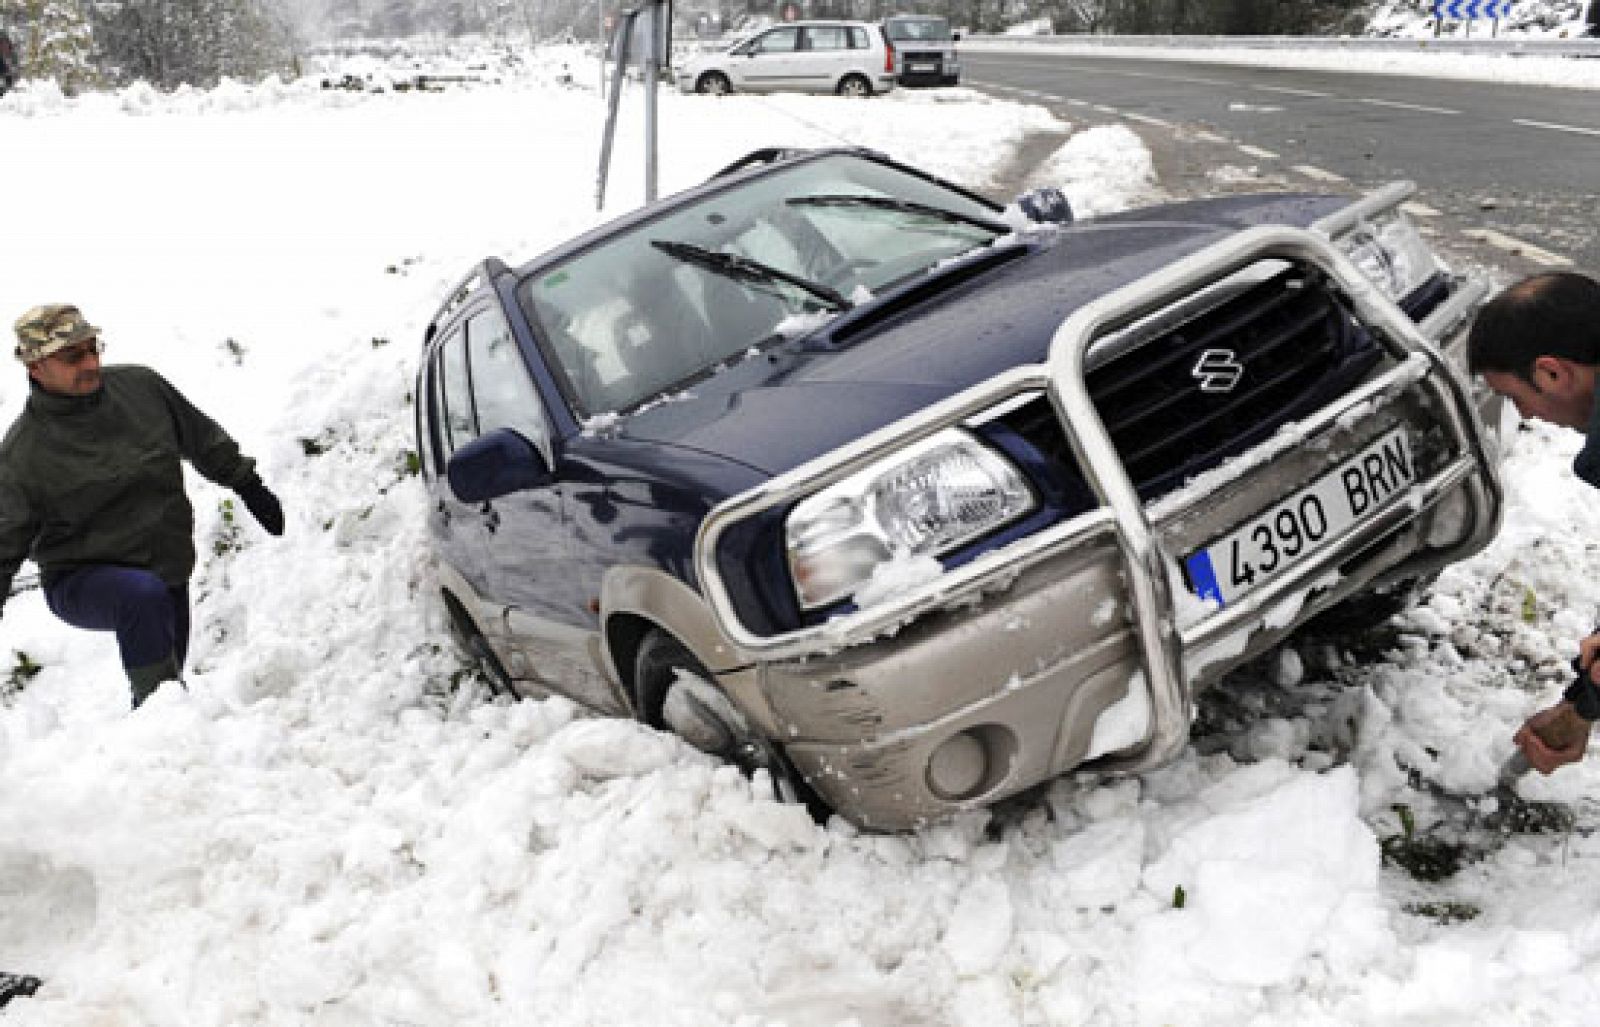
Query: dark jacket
point(1587, 463)
point(98, 479)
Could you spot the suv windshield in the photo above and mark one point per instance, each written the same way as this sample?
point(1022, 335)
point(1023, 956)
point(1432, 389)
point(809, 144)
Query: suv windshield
point(917, 30)
point(652, 307)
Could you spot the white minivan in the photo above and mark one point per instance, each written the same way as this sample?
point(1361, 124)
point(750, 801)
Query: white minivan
point(850, 58)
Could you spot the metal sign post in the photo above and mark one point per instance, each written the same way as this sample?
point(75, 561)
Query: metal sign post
point(641, 32)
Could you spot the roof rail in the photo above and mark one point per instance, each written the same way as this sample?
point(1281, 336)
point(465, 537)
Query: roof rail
point(481, 275)
point(765, 155)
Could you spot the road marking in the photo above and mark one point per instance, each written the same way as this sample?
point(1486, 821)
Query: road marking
point(1559, 128)
point(1319, 174)
point(1258, 152)
point(1505, 242)
point(1078, 103)
point(1407, 106)
point(1419, 210)
point(1106, 110)
point(1212, 137)
point(1148, 120)
point(1293, 92)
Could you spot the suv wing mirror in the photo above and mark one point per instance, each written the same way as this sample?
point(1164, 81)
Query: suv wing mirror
point(494, 465)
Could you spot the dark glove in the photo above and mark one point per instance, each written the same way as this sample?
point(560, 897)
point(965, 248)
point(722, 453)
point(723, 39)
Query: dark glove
point(263, 506)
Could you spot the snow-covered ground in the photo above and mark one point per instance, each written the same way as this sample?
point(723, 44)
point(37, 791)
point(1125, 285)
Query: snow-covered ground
point(332, 826)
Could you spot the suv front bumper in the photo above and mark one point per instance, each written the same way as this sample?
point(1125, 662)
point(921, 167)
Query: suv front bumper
point(1080, 642)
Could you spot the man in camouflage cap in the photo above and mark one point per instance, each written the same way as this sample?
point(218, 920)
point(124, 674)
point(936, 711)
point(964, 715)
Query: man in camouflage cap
point(91, 487)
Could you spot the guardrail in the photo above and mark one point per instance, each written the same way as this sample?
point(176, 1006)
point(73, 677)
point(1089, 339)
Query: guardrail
point(1516, 47)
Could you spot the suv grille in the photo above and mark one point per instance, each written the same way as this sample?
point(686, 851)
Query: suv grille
point(1276, 351)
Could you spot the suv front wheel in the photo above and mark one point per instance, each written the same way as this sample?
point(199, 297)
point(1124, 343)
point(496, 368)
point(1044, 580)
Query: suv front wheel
point(675, 693)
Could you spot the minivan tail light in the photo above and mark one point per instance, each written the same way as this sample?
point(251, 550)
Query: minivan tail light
point(888, 57)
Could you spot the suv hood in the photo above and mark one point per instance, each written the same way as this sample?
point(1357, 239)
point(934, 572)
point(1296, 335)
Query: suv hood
point(937, 336)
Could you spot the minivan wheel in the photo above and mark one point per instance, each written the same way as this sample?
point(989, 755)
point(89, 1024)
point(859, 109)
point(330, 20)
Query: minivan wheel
point(854, 85)
point(714, 83)
point(702, 715)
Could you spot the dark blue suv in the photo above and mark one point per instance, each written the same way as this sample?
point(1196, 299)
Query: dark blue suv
point(851, 476)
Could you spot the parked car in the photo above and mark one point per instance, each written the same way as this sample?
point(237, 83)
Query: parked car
point(845, 57)
point(925, 49)
point(843, 472)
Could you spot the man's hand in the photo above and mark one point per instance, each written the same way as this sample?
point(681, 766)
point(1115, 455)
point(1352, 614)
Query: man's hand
point(264, 507)
point(1588, 649)
point(1553, 738)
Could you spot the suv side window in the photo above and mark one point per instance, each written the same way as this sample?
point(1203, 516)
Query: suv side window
point(827, 37)
point(784, 40)
point(505, 396)
point(455, 394)
point(858, 38)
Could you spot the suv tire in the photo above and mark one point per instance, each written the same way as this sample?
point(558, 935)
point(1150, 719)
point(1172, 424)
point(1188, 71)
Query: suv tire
point(655, 679)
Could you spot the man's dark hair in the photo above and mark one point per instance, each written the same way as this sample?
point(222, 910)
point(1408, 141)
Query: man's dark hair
point(1555, 314)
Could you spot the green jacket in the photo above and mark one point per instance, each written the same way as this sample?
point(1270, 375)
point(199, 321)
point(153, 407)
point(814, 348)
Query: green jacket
point(98, 479)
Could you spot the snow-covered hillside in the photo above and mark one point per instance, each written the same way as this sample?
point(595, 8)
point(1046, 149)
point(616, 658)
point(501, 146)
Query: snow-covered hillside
point(333, 825)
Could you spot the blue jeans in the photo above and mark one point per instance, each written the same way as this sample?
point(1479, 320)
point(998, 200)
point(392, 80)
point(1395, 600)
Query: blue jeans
point(150, 617)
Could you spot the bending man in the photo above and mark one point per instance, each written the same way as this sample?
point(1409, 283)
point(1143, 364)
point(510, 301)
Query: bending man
point(91, 486)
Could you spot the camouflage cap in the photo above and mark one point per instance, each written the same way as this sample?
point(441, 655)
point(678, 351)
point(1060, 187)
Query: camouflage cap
point(54, 326)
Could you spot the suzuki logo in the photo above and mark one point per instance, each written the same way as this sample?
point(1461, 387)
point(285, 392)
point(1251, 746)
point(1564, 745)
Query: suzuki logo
point(1218, 370)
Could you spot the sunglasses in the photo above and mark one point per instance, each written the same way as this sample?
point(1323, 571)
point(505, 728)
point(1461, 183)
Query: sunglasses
point(72, 356)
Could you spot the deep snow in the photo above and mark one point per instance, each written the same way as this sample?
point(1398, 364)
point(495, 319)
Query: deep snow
point(332, 825)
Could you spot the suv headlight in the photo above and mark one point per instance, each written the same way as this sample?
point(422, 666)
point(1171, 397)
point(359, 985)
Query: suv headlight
point(1391, 253)
point(925, 500)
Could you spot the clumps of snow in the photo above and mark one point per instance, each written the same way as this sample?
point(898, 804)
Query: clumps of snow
point(1102, 170)
point(1125, 722)
point(899, 576)
point(1258, 903)
point(602, 425)
point(796, 325)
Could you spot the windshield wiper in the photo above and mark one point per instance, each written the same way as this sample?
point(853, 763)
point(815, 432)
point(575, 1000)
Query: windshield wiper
point(904, 206)
point(743, 268)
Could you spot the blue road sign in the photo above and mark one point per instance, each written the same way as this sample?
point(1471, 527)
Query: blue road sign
point(1469, 9)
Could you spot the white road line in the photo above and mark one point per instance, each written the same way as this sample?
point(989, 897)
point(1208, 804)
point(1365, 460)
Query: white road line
point(1522, 249)
point(1106, 110)
point(1407, 106)
point(1419, 210)
point(1293, 92)
point(1078, 103)
point(1319, 174)
point(1258, 152)
point(1212, 137)
point(1559, 128)
point(1147, 120)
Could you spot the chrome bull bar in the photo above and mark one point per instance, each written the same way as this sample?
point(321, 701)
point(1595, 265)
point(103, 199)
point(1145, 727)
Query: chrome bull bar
point(1122, 515)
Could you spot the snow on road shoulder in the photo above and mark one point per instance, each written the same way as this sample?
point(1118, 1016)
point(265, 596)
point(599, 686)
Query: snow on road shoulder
point(331, 824)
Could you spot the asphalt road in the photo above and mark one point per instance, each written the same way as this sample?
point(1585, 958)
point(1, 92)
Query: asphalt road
point(1508, 173)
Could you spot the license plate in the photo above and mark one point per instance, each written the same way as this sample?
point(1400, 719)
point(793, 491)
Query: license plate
point(924, 67)
point(1289, 531)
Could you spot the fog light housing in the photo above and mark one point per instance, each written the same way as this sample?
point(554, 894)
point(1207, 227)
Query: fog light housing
point(958, 767)
point(971, 762)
